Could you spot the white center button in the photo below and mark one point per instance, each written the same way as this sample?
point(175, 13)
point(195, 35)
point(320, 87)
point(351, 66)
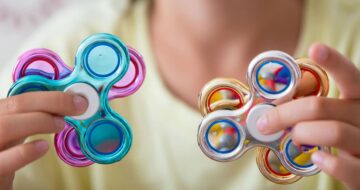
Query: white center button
point(91, 96)
point(251, 120)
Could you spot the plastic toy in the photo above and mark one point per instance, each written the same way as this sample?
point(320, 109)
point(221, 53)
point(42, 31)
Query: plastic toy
point(105, 68)
point(231, 109)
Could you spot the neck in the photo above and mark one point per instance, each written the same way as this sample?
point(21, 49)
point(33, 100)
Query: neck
point(219, 38)
point(205, 20)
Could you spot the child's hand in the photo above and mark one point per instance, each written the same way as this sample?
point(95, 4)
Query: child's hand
point(30, 114)
point(326, 121)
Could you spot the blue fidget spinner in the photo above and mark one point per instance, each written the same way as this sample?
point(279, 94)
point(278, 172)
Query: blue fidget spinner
point(104, 69)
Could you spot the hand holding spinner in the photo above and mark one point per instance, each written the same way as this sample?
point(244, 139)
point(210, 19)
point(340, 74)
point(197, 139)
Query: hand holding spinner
point(231, 110)
point(104, 69)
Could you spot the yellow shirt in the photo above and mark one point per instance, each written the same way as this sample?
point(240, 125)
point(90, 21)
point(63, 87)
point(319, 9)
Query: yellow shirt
point(165, 154)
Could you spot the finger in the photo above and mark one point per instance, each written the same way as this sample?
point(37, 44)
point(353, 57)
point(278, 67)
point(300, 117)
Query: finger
point(17, 157)
point(19, 126)
point(309, 109)
point(328, 133)
point(7, 181)
point(345, 168)
point(54, 102)
point(345, 74)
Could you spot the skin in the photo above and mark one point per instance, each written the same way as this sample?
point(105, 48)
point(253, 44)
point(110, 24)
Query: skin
point(39, 118)
point(215, 39)
point(326, 121)
point(195, 41)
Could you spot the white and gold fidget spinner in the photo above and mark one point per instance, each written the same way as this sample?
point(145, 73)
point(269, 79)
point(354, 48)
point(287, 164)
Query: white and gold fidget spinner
point(231, 110)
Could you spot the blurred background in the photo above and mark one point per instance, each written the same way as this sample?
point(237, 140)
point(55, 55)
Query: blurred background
point(19, 18)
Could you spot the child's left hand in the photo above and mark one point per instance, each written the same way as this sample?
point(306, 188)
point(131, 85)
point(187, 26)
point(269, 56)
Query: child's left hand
point(326, 121)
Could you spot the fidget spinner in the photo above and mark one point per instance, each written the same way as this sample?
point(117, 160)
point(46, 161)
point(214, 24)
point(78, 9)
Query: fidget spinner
point(231, 110)
point(105, 69)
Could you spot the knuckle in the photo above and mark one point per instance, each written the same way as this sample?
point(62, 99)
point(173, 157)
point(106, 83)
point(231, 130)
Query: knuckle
point(15, 104)
point(296, 133)
point(23, 153)
point(4, 125)
point(3, 170)
point(338, 134)
point(273, 117)
point(335, 167)
point(316, 106)
point(59, 98)
point(63, 100)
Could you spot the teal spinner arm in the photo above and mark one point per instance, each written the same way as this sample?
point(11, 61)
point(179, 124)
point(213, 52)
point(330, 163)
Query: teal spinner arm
point(102, 60)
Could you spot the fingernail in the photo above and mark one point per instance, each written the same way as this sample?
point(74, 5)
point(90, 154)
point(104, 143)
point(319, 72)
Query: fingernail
point(59, 123)
point(322, 53)
point(261, 124)
point(41, 146)
point(317, 158)
point(80, 103)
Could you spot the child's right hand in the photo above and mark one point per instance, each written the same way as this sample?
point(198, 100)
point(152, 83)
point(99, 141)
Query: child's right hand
point(29, 114)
